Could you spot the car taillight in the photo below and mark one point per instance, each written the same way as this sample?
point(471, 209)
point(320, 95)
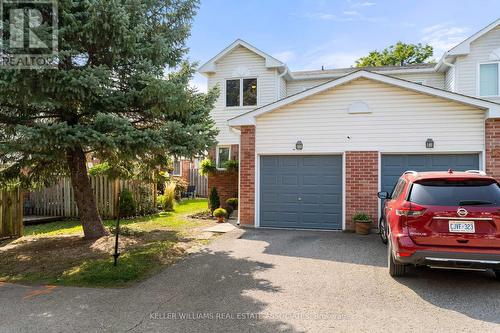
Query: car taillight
point(410, 209)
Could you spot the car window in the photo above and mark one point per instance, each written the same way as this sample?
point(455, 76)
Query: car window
point(398, 189)
point(455, 192)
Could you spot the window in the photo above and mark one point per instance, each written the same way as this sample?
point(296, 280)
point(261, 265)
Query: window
point(398, 189)
point(241, 92)
point(455, 192)
point(223, 155)
point(177, 168)
point(488, 79)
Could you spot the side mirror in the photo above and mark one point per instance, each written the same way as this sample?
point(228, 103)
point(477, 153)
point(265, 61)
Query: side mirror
point(383, 195)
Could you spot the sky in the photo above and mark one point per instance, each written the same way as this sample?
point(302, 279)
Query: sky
point(308, 34)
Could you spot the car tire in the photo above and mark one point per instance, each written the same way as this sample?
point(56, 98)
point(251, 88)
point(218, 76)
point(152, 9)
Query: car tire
point(497, 273)
point(395, 269)
point(382, 230)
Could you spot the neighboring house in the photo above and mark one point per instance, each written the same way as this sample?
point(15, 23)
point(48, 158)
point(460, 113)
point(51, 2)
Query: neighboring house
point(316, 146)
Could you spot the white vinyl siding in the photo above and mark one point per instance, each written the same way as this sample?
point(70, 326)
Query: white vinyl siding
point(283, 87)
point(297, 86)
point(435, 80)
point(240, 63)
point(400, 121)
point(467, 66)
point(449, 79)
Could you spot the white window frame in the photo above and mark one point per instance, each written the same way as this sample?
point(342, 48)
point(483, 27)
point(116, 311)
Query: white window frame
point(217, 155)
point(478, 79)
point(241, 92)
point(180, 168)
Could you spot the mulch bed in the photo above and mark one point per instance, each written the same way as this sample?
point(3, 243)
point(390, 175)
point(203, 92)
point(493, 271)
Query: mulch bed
point(206, 215)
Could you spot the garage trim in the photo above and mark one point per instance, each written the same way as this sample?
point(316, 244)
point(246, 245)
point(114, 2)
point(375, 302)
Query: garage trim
point(481, 156)
point(257, 187)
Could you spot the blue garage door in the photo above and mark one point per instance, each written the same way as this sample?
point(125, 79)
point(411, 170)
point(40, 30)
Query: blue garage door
point(393, 166)
point(301, 192)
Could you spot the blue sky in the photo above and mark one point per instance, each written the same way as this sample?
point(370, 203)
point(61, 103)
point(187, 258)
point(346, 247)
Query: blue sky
point(308, 34)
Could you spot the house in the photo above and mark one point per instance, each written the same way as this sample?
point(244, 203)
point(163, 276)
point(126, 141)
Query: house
point(315, 147)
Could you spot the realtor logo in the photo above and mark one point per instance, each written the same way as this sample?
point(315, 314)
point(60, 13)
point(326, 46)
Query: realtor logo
point(28, 30)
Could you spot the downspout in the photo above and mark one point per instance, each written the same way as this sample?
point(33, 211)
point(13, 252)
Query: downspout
point(278, 86)
point(452, 66)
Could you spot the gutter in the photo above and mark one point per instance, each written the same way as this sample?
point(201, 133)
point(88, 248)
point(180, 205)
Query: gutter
point(278, 86)
point(452, 66)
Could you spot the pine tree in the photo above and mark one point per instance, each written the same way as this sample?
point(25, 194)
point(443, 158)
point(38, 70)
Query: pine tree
point(213, 200)
point(109, 97)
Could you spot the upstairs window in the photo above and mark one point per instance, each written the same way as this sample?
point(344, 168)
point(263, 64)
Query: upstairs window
point(241, 92)
point(489, 79)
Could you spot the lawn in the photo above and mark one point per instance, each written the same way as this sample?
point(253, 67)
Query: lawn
point(56, 253)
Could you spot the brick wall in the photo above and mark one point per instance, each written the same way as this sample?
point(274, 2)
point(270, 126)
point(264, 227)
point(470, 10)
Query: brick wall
point(247, 175)
point(185, 165)
point(361, 185)
point(492, 147)
point(226, 183)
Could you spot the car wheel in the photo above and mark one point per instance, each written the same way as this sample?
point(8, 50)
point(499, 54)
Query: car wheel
point(395, 269)
point(497, 273)
point(382, 230)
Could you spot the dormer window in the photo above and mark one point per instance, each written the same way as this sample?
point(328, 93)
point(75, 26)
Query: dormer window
point(241, 92)
point(489, 77)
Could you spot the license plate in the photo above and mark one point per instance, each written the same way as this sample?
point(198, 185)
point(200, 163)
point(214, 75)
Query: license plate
point(462, 226)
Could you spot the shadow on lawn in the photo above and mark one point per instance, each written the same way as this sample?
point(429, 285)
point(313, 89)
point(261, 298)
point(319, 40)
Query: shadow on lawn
point(209, 292)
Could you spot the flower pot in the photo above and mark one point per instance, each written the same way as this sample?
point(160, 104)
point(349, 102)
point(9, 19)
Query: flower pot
point(363, 227)
point(220, 219)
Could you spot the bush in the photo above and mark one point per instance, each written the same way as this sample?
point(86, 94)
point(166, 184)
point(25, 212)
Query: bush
point(229, 210)
point(127, 205)
point(220, 212)
point(361, 217)
point(181, 186)
point(207, 167)
point(213, 200)
point(168, 199)
point(231, 166)
point(233, 203)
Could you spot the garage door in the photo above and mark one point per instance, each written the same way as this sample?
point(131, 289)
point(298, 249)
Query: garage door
point(301, 192)
point(394, 165)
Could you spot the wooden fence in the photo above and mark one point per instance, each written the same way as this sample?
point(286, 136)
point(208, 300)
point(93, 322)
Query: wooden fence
point(201, 182)
point(59, 199)
point(11, 213)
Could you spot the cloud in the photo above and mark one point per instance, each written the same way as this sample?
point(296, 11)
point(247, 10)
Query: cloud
point(199, 82)
point(351, 13)
point(363, 4)
point(443, 37)
point(284, 56)
point(345, 16)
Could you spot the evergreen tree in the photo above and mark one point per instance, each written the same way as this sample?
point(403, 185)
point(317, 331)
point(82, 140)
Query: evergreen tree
point(109, 97)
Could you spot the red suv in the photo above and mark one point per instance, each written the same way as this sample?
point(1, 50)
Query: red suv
point(442, 219)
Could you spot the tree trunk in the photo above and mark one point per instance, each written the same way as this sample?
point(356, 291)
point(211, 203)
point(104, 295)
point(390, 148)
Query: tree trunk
point(84, 195)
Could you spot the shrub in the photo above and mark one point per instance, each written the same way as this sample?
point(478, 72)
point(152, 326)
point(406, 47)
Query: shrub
point(168, 197)
point(229, 210)
point(361, 217)
point(233, 203)
point(220, 212)
point(213, 200)
point(207, 167)
point(231, 166)
point(181, 186)
point(127, 205)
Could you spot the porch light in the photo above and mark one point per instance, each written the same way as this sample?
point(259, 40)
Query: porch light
point(299, 145)
point(429, 143)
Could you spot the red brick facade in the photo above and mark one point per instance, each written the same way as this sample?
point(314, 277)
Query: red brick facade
point(226, 183)
point(185, 166)
point(361, 182)
point(492, 147)
point(247, 175)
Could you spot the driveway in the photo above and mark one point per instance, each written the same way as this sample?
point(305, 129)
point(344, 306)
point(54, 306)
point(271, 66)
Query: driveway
point(268, 281)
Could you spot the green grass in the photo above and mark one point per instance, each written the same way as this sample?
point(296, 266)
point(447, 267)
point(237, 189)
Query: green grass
point(50, 263)
point(163, 220)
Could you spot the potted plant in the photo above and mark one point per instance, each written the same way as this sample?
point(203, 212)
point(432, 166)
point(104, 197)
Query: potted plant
point(363, 223)
point(220, 213)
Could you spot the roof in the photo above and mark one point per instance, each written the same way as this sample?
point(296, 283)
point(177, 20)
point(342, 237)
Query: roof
point(210, 66)
point(248, 118)
point(464, 47)
point(343, 71)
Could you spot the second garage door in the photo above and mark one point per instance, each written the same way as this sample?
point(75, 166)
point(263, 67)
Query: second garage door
point(393, 166)
point(301, 192)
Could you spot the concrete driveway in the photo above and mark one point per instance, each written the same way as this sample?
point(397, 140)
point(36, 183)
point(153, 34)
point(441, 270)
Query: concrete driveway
point(268, 281)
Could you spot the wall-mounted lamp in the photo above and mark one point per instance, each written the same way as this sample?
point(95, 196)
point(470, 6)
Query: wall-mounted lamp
point(429, 143)
point(299, 145)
